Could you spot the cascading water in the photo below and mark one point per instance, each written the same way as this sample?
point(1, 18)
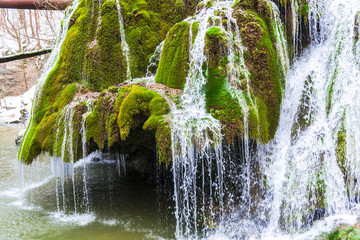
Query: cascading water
point(311, 167)
point(52, 61)
point(194, 134)
point(124, 46)
point(309, 172)
point(321, 102)
point(191, 126)
point(281, 42)
point(154, 61)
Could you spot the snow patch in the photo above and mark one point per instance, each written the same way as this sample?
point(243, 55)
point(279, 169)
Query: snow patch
point(16, 109)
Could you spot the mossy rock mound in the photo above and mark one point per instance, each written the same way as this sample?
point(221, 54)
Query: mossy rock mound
point(91, 71)
point(261, 106)
point(147, 23)
point(232, 103)
point(92, 58)
point(262, 64)
point(174, 63)
point(132, 116)
point(117, 120)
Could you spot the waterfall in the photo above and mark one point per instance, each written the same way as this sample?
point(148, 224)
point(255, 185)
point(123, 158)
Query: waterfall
point(281, 43)
point(51, 62)
point(235, 72)
point(90, 108)
point(194, 134)
point(124, 46)
point(311, 168)
point(296, 34)
point(154, 61)
point(307, 179)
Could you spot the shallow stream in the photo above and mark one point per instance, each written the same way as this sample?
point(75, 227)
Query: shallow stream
point(118, 206)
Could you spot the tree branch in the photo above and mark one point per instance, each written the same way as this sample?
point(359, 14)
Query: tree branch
point(23, 55)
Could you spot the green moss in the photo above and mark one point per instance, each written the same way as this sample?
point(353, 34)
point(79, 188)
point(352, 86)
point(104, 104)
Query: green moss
point(341, 150)
point(195, 30)
point(174, 63)
point(113, 128)
point(105, 63)
point(262, 64)
point(40, 133)
point(65, 97)
point(147, 24)
point(304, 113)
point(223, 106)
point(341, 233)
point(91, 55)
point(304, 9)
point(214, 32)
point(147, 109)
point(133, 115)
point(209, 4)
point(261, 107)
point(97, 122)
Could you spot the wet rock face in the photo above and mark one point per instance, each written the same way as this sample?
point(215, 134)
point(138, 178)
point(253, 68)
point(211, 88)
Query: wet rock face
point(86, 92)
point(356, 27)
point(19, 137)
point(92, 60)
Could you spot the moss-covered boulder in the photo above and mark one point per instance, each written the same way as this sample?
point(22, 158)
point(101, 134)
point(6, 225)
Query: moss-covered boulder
point(132, 116)
point(174, 63)
point(85, 97)
point(261, 61)
point(147, 23)
point(293, 13)
point(255, 95)
point(92, 59)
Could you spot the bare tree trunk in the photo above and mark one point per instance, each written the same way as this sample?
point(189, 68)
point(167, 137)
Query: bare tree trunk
point(24, 74)
point(23, 23)
point(31, 23)
point(37, 28)
point(48, 20)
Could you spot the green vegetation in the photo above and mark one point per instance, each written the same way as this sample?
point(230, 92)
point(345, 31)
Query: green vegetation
point(147, 24)
point(174, 63)
point(226, 102)
point(91, 56)
point(92, 66)
point(342, 233)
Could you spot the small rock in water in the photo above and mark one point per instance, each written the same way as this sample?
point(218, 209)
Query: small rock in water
point(19, 137)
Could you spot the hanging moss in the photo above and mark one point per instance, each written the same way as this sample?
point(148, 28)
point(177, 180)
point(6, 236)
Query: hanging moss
point(147, 109)
point(262, 63)
point(147, 24)
point(105, 63)
point(97, 121)
point(264, 108)
point(132, 116)
point(41, 129)
point(113, 127)
point(174, 63)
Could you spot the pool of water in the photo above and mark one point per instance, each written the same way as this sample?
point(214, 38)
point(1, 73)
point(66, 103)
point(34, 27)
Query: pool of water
point(98, 202)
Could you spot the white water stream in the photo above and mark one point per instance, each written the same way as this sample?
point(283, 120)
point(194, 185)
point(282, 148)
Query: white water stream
point(304, 180)
point(124, 46)
point(53, 59)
